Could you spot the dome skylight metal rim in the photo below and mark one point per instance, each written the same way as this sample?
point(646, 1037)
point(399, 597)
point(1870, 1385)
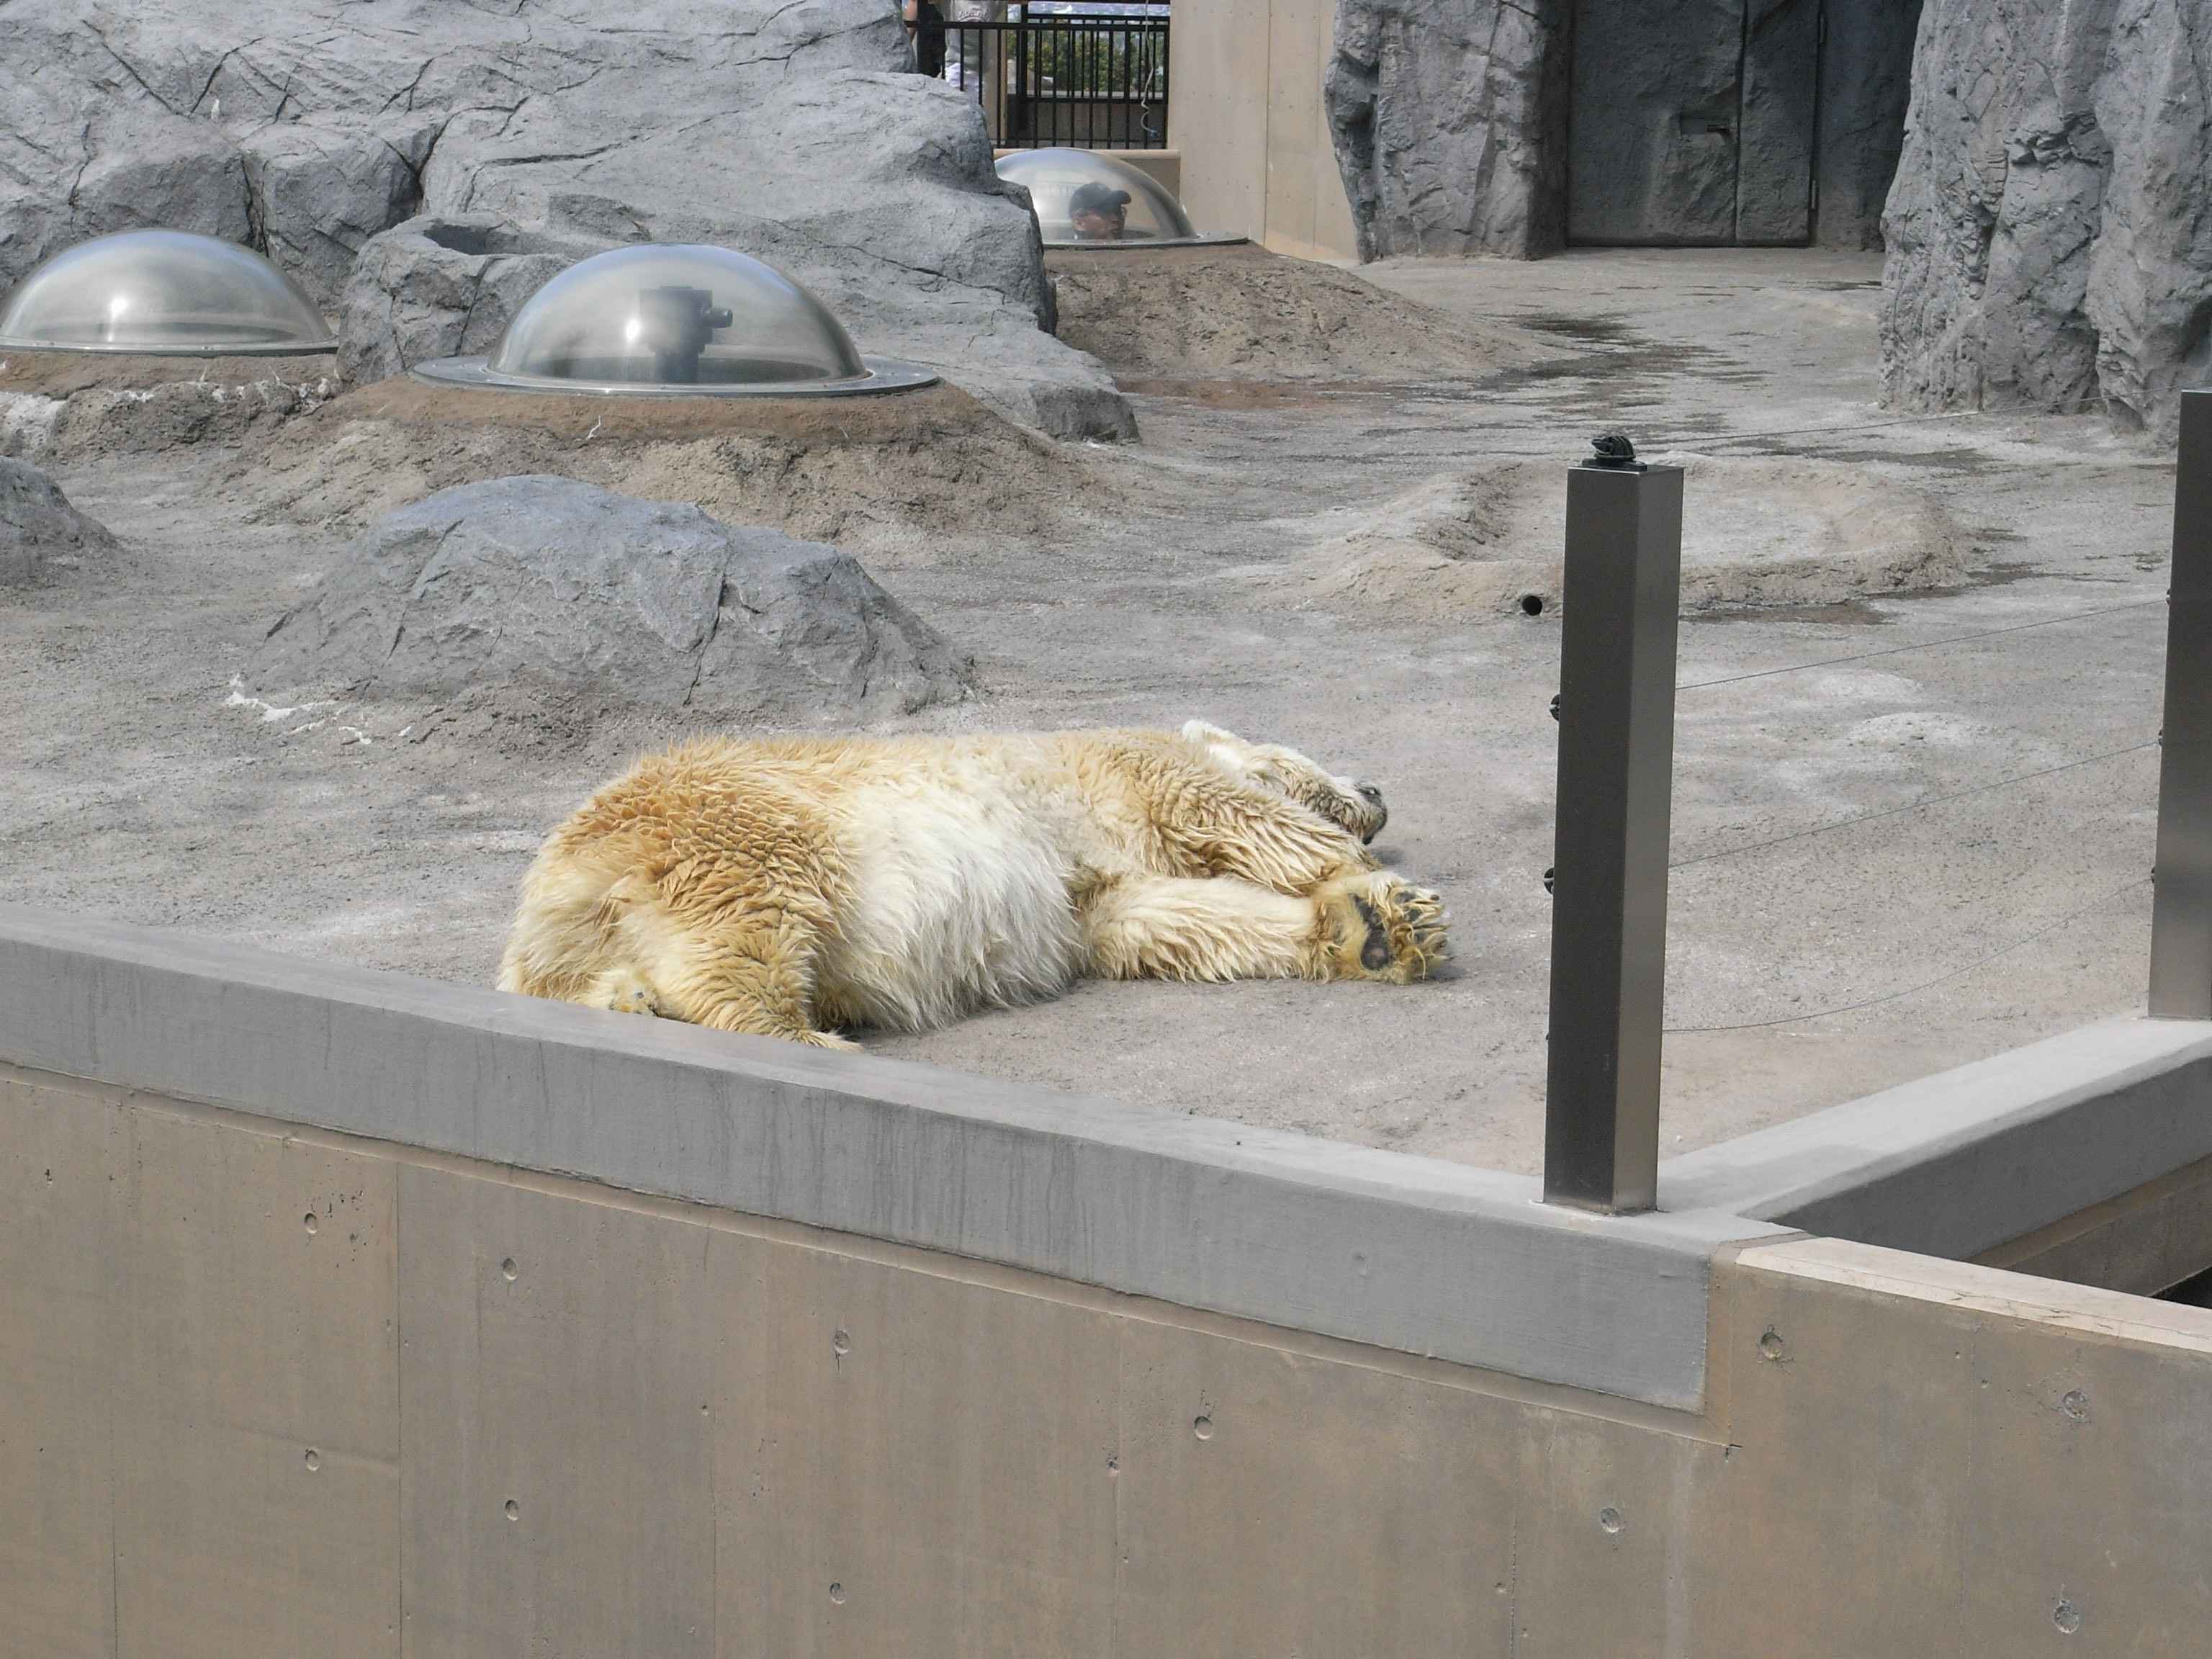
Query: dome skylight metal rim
point(1144, 243)
point(885, 375)
point(226, 349)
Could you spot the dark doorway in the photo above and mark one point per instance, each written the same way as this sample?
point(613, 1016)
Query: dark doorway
point(1720, 122)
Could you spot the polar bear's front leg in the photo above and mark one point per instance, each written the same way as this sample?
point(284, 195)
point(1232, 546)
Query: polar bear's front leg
point(1368, 926)
point(1197, 928)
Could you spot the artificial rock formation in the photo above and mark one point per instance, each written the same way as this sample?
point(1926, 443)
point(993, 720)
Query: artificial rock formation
point(41, 533)
point(1514, 126)
point(546, 594)
point(1449, 118)
point(2050, 232)
point(307, 127)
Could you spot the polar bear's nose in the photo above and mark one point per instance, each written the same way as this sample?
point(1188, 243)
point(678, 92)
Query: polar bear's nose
point(1372, 794)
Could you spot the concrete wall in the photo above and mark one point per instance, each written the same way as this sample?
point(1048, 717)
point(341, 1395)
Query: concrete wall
point(1244, 108)
point(341, 1312)
point(266, 1390)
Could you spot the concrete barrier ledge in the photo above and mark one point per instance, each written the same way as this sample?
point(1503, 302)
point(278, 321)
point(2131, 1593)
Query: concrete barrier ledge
point(1959, 1162)
point(1409, 1253)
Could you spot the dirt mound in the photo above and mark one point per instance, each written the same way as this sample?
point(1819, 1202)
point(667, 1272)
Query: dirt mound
point(74, 405)
point(933, 462)
point(1757, 531)
point(1240, 312)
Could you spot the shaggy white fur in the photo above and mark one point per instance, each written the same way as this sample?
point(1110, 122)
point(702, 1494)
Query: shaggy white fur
point(792, 887)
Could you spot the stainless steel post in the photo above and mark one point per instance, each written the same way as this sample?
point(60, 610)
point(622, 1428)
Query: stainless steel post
point(2181, 911)
point(1624, 569)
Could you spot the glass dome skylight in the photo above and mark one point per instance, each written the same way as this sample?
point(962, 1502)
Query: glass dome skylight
point(1086, 199)
point(667, 321)
point(162, 293)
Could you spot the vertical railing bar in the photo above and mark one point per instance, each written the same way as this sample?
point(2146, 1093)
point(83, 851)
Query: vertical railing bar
point(1616, 713)
point(2181, 871)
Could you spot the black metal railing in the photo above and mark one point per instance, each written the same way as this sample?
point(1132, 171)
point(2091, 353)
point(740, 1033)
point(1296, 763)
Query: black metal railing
point(1089, 82)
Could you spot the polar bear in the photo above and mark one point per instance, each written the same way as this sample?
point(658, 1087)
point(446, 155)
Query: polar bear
point(796, 887)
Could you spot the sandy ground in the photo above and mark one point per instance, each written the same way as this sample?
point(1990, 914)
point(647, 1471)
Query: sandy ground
point(1910, 831)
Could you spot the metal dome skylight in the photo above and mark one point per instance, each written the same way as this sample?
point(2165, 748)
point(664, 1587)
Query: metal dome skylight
point(676, 319)
point(162, 293)
point(1086, 199)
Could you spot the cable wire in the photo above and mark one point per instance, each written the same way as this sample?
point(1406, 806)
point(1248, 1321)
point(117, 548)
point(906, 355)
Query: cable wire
point(1923, 644)
point(1925, 985)
point(1914, 806)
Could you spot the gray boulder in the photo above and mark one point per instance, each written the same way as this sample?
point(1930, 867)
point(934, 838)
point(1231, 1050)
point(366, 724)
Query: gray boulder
point(307, 128)
point(538, 590)
point(440, 288)
point(2050, 230)
point(41, 533)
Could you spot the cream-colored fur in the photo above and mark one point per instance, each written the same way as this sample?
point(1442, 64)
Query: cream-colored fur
point(794, 886)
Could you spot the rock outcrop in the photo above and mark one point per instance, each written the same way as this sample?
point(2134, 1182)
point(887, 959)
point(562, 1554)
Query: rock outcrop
point(545, 594)
point(1449, 122)
point(306, 128)
point(2050, 230)
point(41, 533)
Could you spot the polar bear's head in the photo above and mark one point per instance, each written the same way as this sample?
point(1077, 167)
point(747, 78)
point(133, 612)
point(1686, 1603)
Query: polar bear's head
point(1355, 804)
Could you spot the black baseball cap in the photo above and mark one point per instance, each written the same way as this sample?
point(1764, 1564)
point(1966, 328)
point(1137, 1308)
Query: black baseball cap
point(1096, 198)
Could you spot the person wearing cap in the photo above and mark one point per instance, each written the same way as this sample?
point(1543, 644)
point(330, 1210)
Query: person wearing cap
point(1099, 213)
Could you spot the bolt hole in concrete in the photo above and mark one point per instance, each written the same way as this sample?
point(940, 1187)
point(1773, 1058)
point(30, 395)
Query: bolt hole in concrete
point(2067, 1617)
point(1532, 604)
point(1203, 1428)
point(513, 1509)
point(314, 1460)
point(1609, 1518)
point(837, 1594)
point(507, 1269)
point(2076, 1405)
point(309, 1222)
point(1770, 1345)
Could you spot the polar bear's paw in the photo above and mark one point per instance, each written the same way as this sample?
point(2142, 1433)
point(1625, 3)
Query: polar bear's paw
point(623, 991)
point(1383, 927)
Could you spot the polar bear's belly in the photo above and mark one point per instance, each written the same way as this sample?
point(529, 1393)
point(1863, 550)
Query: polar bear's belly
point(958, 901)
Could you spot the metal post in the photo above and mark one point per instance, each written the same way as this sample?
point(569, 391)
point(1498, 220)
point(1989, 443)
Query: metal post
point(1616, 711)
point(2181, 909)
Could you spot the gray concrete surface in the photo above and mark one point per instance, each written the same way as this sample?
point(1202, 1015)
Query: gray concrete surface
point(1957, 1164)
point(1412, 1255)
point(1910, 833)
